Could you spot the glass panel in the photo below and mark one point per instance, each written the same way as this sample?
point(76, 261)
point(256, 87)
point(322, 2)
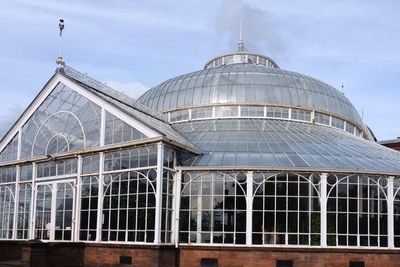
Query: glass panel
point(57, 168)
point(65, 121)
point(9, 153)
point(43, 212)
point(23, 212)
point(229, 111)
point(251, 111)
point(118, 131)
point(6, 211)
point(337, 122)
point(131, 158)
point(286, 205)
point(64, 209)
point(88, 211)
point(7, 174)
point(198, 113)
point(357, 209)
point(129, 206)
point(213, 208)
point(322, 118)
point(180, 115)
point(302, 115)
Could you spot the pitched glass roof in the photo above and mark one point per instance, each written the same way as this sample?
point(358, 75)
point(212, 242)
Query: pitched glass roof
point(285, 144)
point(152, 119)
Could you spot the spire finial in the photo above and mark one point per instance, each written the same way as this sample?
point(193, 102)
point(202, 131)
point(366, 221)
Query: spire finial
point(60, 61)
point(241, 46)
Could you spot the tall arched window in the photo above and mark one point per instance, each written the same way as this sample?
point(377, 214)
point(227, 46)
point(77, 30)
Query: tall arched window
point(6, 211)
point(213, 208)
point(286, 209)
point(357, 211)
point(129, 206)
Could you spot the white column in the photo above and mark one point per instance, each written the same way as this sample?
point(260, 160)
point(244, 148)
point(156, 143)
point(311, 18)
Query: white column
point(390, 203)
point(313, 116)
point(176, 207)
point(100, 198)
point(157, 223)
point(77, 202)
point(53, 210)
point(324, 201)
point(19, 144)
point(33, 203)
point(103, 127)
point(16, 200)
point(249, 208)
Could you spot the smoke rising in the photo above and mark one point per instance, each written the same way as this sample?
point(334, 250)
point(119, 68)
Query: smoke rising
point(258, 31)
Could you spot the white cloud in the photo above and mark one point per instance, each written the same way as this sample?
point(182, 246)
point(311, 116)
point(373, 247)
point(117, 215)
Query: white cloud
point(133, 89)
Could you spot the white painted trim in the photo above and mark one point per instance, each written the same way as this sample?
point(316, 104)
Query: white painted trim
point(159, 182)
point(103, 127)
point(16, 202)
point(53, 208)
point(77, 203)
point(323, 203)
point(31, 232)
point(177, 207)
point(100, 198)
point(390, 220)
point(249, 208)
point(19, 148)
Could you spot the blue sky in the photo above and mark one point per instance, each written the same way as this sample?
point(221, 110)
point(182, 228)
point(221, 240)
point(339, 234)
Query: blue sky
point(134, 45)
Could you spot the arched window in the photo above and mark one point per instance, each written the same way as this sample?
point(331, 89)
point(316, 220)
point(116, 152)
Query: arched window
point(213, 208)
point(129, 206)
point(6, 211)
point(64, 208)
point(286, 209)
point(64, 121)
point(357, 211)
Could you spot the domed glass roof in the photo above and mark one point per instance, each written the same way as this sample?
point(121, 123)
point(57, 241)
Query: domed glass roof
point(249, 83)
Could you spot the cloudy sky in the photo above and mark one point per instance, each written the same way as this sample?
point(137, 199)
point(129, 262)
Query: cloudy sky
point(134, 45)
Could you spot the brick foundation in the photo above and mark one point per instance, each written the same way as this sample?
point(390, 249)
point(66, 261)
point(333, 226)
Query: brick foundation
point(266, 257)
point(38, 254)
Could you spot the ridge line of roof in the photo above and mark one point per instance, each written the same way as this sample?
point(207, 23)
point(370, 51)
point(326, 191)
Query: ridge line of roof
point(110, 92)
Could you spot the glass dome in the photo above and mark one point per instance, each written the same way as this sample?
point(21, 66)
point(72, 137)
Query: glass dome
point(244, 83)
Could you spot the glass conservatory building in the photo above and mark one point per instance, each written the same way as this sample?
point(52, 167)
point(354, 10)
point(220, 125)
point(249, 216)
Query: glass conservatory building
point(241, 157)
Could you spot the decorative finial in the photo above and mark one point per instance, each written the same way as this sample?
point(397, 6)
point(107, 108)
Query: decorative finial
point(241, 46)
point(60, 61)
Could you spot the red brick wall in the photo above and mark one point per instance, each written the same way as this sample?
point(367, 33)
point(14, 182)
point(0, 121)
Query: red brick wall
point(10, 250)
point(395, 146)
point(266, 257)
point(146, 256)
point(37, 254)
